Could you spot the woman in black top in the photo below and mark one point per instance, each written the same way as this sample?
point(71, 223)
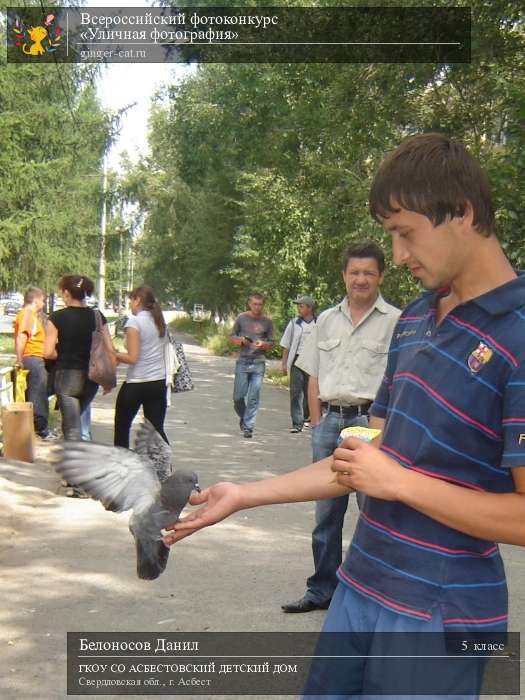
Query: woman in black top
point(68, 339)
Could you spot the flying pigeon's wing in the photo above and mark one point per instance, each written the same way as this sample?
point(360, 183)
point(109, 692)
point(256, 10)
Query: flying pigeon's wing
point(116, 477)
point(156, 452)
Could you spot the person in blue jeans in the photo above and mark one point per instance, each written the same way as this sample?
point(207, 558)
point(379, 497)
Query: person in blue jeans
point(85, 423)
point(446, 482)
point(294, 338)
point(29, 348)
point(253, 333)
point(327, 536)
point(345, 357)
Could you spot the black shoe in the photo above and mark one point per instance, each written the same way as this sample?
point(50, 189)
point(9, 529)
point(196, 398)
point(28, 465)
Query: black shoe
point(295, 430)
point(303, 605)
point(247, 433)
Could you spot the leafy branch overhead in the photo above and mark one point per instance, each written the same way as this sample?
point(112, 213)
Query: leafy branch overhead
point(259, 173)
point(54, 134)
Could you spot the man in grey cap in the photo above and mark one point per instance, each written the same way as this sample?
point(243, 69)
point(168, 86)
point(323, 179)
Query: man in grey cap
point(293, 342)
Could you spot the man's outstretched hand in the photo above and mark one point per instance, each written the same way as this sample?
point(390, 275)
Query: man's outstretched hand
point(217, 503)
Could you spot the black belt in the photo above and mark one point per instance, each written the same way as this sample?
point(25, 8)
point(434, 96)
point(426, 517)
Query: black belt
point(350, 411)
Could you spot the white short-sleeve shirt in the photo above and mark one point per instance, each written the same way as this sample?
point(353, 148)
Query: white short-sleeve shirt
point(151, 364)
point(349, 361)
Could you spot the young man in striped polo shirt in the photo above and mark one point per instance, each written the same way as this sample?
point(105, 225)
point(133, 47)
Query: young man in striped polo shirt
point(448, 481)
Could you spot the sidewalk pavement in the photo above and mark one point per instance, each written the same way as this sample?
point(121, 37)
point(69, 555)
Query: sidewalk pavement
point(69, 565)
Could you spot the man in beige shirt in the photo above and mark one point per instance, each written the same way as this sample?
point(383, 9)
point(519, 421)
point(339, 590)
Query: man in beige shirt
point(345, 357)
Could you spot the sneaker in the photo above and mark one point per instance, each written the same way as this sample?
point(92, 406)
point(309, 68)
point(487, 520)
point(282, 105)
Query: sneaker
point(47, 436)
point(247, 433)
point(296, 430)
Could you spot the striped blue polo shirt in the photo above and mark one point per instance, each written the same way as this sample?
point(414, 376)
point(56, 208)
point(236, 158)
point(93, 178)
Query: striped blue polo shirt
point(453, 398)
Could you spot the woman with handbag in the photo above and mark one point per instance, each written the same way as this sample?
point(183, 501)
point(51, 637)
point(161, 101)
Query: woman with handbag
point(145, 385)
point(69, 334)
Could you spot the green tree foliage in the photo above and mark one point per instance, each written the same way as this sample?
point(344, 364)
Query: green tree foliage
point(54, 135)
point(259, 174)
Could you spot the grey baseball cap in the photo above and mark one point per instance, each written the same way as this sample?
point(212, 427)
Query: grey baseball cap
point(304, 299)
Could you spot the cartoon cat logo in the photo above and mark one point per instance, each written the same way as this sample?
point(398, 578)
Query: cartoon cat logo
point(36, 41)
point(36, 34)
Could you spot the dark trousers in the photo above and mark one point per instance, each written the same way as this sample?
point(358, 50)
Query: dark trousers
point(151, 396)
point(75, 392)
point(298, 397)
point(36, 392)
point(327, 536)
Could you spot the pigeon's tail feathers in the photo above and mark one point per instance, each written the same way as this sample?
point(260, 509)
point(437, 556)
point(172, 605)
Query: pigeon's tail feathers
point(152, 554)
point(154, 449)
point(150, 569)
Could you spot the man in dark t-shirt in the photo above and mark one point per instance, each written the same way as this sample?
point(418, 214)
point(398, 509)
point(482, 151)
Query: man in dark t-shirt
point(253, 333)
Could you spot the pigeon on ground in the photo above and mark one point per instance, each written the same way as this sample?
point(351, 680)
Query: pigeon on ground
point(140, 480)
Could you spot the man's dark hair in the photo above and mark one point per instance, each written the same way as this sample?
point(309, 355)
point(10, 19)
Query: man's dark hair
point(364, 249)
point(432, 175)
point(256, 295)
point(31, 294)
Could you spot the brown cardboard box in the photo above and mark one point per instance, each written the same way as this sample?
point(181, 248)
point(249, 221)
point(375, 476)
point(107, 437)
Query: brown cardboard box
point(18, 432)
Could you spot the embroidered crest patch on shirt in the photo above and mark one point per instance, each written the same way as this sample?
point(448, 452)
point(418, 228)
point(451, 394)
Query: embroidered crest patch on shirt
point(479, 357)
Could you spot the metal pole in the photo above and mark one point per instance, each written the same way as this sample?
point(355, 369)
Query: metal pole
point(101, 292)
point(120, 270)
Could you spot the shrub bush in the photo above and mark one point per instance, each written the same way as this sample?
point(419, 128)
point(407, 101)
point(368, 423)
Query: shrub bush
point(219, 343)
point(275, 376)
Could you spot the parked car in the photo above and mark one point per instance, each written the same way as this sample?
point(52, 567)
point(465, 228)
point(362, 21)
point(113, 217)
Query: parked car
point(11, 307)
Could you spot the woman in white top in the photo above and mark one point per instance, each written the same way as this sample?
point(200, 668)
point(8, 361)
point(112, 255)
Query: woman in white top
point(145, 384)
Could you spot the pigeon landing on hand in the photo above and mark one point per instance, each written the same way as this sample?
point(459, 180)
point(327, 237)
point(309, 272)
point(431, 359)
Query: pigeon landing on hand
point(141, 480)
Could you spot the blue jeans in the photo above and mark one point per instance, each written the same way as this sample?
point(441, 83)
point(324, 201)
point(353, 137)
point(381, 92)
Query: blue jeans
point(247, 391)
point(85, 423)
point(327, 537)
point(36, 392)
point(367, 634)
point(75, 391)
point(298, 396)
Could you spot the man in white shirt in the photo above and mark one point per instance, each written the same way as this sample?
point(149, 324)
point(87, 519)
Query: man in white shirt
point(346, 359)
point(294, 337)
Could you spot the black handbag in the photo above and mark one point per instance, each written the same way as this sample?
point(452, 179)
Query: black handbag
point(182, 380)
